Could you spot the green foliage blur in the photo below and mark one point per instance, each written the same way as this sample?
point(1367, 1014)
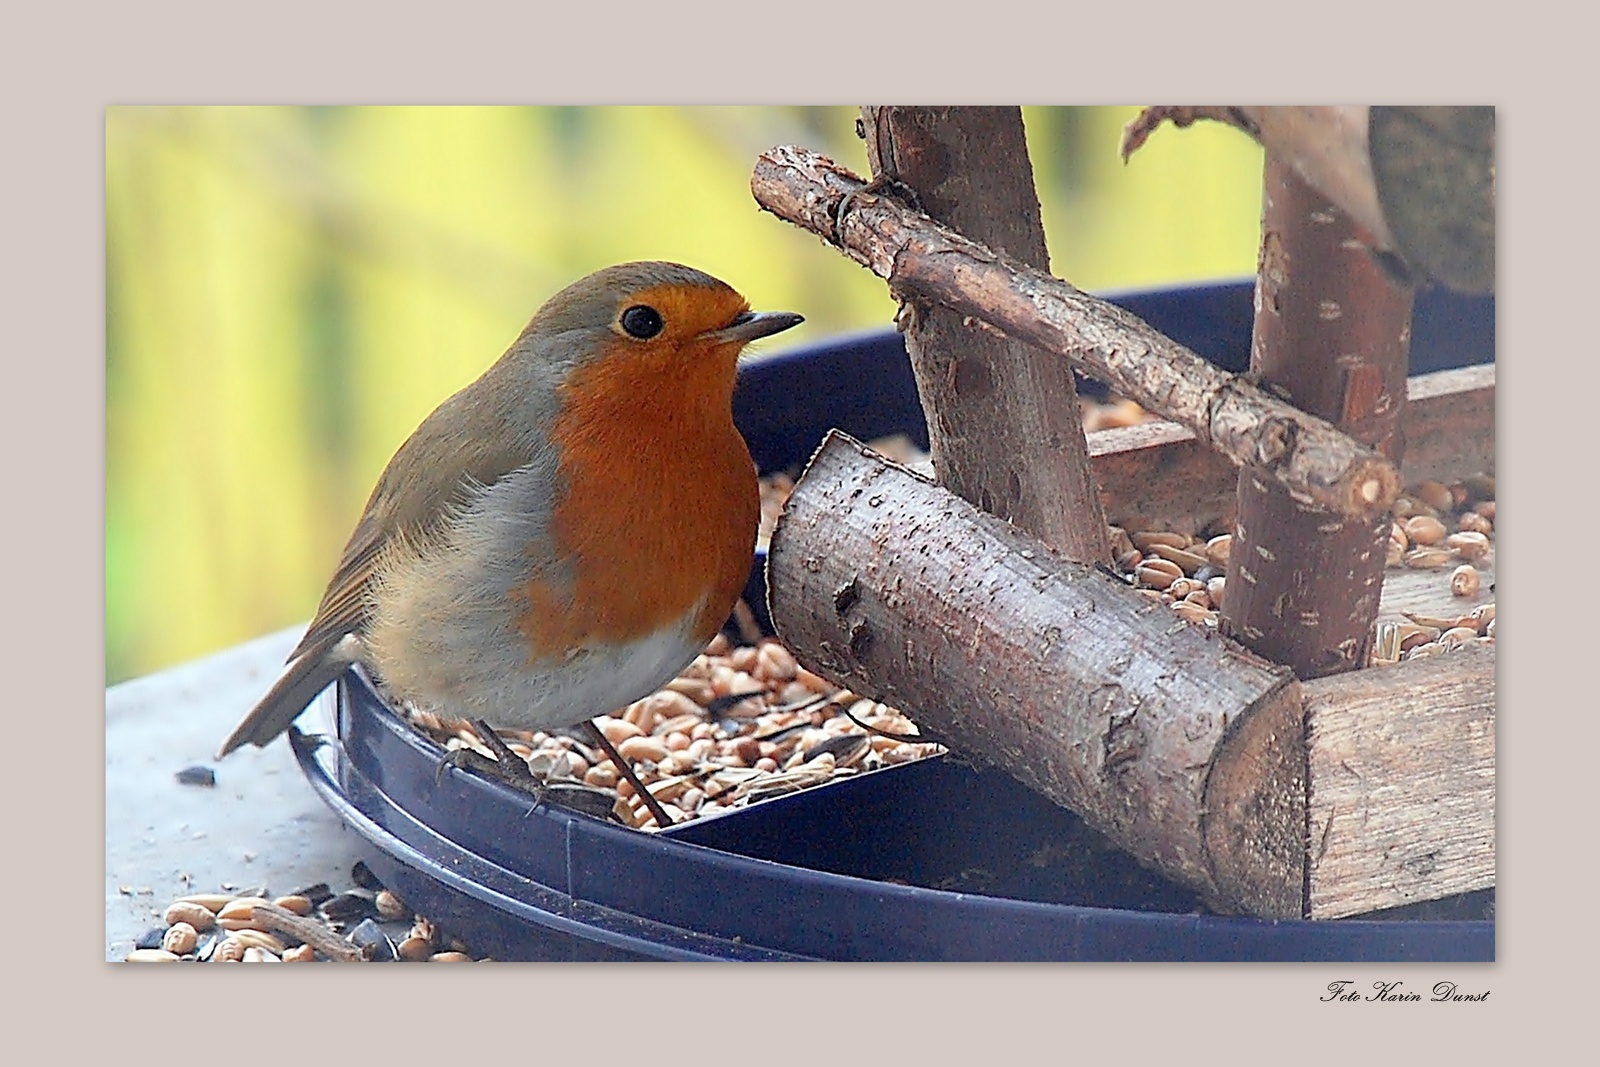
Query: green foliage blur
point(289, 291)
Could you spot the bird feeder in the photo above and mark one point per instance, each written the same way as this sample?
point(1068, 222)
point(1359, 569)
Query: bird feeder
point(1275, 763)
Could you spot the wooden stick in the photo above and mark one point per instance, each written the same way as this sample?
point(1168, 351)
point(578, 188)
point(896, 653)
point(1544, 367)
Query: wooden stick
point(647, 798)
point(1332, 332)
point(1182, 746)
point(1402, 783)
point(312, 932)
point(1310, 458)
point(1004, 428)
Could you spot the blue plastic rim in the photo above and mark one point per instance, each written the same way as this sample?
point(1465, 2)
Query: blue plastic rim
point(928, 861)
point(522, 882)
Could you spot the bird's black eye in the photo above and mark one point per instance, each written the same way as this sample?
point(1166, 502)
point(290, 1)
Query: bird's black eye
point(642, 321)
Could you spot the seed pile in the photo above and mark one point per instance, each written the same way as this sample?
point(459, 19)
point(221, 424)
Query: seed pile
point(740, 724)
point(1187, 572)
point(1439, 527)
point(1436, 527)
point(365, 924)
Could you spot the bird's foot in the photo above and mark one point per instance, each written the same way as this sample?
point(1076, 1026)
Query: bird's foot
point(883, 185)
point(507, 766)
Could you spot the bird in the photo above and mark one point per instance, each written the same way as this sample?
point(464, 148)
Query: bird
point(565, 534)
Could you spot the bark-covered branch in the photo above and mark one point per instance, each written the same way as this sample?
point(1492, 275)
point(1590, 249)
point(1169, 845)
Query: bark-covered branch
point(1332, 333)
point(1182, 746)
point(1156, 474)
point(1311, 459)
point(1004, 428)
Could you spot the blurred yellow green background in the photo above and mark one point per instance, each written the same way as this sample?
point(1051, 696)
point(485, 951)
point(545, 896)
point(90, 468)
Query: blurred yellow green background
point(290, 290)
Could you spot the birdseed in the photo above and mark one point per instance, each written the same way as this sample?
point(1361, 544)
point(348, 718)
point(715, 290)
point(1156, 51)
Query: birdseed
point(700, 755)
point(299, 927)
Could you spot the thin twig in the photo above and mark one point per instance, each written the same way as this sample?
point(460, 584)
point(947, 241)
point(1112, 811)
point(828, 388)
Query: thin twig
point(663, 820)
point(308, 930)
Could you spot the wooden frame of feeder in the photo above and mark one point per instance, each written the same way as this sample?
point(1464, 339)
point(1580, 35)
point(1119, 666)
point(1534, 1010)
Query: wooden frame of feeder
point(1272, 795)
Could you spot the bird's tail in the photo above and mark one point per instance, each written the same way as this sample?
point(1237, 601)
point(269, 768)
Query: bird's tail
point(309, 674)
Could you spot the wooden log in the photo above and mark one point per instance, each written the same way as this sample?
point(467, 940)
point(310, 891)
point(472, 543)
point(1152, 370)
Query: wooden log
point(1003, 423)
point(1402, 783)
point(1157, 473)
point(1332, 333)
point(1310, 458)
point(1183, 747)
point(1419, 180)
point(1091, 694)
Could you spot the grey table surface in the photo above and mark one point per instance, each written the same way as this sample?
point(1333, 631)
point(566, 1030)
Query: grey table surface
point(260, 826)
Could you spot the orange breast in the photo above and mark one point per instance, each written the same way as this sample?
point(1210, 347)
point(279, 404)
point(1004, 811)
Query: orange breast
point(657, 503)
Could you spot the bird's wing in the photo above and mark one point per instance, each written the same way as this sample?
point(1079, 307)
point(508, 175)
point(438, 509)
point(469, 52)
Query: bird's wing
point(439, 469)
point(344, 605)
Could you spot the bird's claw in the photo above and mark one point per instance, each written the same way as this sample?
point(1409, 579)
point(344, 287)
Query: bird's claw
point(506, 767)
point(883, 184)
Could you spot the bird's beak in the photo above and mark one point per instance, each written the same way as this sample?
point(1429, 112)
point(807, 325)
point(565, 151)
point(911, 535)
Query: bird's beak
point(753, 324)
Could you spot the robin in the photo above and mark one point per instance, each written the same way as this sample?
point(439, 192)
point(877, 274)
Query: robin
point(565, 534)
